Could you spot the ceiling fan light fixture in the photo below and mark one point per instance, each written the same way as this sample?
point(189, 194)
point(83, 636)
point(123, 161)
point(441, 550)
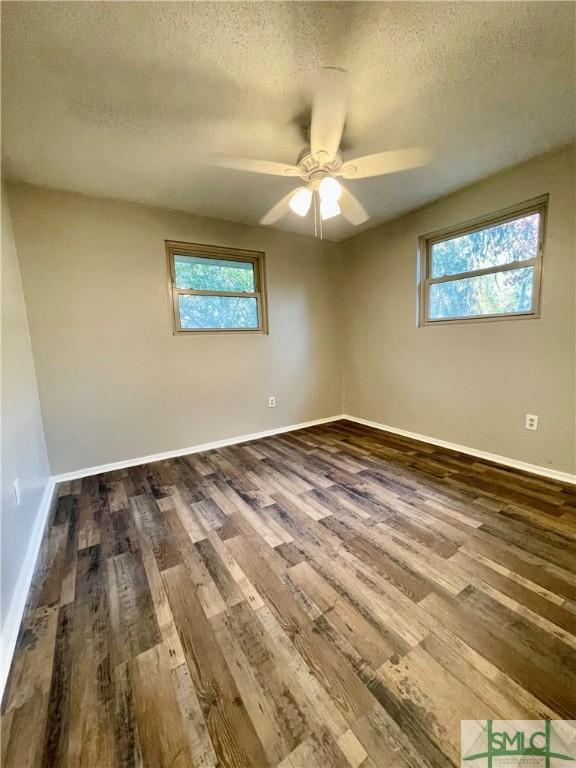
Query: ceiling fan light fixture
point(320, 163)
point(330, 189)
point(329, 208)
point(300, 201)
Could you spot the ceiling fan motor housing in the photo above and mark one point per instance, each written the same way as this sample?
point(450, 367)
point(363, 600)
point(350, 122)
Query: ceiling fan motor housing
point(315, 169)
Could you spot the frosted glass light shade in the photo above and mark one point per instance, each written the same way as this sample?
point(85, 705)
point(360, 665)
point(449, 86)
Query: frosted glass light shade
point(329, 209)
point(329, 189)
point(300, 201)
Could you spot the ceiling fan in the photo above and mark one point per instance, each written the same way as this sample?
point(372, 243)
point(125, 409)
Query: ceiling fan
point(321, 164)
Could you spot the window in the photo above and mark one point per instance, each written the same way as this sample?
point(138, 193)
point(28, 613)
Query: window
point(216, 289)
point(489, 269)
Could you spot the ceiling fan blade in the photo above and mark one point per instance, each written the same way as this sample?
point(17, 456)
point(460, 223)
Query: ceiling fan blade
point(328, 113)
point(381, 163)
point(255, 166)
point(352, 208)
point(280, 209)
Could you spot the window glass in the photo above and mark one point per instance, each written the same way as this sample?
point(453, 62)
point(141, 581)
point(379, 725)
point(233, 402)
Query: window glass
point(490, 269)
point(515, 240)
point(217, 288)
point(217, 312)
point(206, 274)
point(491, 294)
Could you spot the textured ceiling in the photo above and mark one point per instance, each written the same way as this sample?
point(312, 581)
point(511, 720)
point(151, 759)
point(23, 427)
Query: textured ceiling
point(127, 100)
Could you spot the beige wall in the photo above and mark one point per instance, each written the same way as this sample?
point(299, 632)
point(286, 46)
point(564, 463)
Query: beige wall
point(114, 382)
point(23, 448)
point(470, 384)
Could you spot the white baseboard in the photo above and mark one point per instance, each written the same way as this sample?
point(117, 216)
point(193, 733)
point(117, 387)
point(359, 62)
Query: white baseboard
point(17, 605)
point(191, 449)
point(534, 469)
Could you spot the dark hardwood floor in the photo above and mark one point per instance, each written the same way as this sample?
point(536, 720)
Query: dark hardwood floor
point(335, 596)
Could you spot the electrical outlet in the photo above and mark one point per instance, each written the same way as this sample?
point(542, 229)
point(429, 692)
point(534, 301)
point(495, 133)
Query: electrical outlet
point(271, 402)
point(531, 421)
point(17, 493)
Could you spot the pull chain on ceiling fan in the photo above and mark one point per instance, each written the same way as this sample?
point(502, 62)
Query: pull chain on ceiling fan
point(321, 164)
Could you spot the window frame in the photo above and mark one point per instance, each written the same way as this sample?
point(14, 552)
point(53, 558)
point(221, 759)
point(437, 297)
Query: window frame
point(217, 252)
point(425, 243)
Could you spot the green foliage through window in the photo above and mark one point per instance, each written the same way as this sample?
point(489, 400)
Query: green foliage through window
point(491, 247)
point(216, 289)
point(492, 294)
point(217, 312)
point(205, 274)
point(452, 287)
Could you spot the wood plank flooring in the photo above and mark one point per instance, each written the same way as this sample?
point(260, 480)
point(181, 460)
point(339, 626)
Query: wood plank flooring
point(335, 596)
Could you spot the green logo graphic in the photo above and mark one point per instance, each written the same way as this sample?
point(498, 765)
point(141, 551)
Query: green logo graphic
point(521, 739)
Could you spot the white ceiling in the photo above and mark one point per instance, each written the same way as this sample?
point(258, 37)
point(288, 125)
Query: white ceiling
point(128, 99)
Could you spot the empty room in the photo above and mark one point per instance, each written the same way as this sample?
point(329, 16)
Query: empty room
point(288, 384)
